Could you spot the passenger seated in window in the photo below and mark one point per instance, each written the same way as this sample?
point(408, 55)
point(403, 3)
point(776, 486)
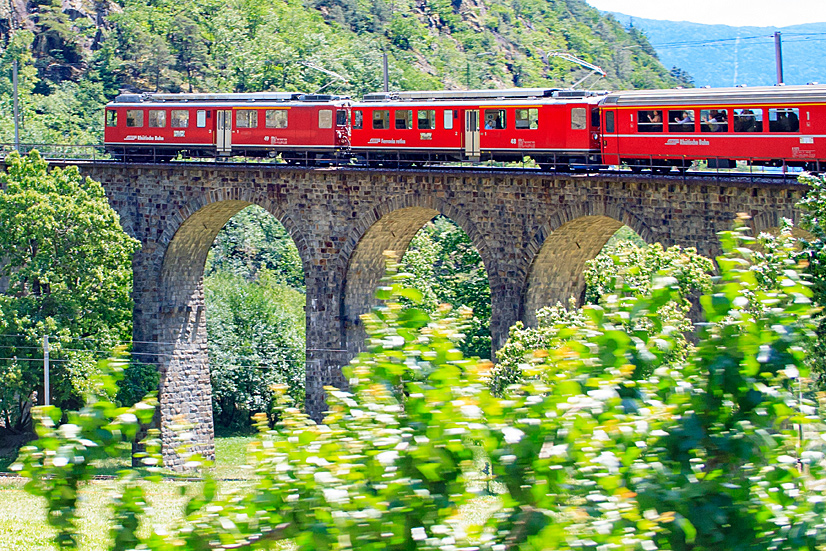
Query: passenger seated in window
point(744, 122)
point(682, 121)
point(489, 124)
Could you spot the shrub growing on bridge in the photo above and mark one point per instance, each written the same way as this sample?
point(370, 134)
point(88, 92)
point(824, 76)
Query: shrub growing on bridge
point(610, 446)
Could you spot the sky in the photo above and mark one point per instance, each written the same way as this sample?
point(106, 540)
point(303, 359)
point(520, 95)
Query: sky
point(735, 13)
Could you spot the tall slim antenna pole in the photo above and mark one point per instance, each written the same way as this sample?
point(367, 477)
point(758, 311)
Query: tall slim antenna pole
point(778, 54)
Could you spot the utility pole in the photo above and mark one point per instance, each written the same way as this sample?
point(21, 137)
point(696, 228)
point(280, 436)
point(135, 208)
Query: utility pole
point(778, 55)
point(386, 73)
point(16, 118)
point(46, 397)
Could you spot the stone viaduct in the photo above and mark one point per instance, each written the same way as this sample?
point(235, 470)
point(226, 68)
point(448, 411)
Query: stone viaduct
point(534, 232)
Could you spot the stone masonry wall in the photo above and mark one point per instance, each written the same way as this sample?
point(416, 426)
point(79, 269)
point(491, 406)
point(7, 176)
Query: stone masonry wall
point(534, 233)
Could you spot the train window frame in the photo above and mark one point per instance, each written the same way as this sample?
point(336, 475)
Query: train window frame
point(448, 119)
point(526, 118)
point(111, 117)
point(341, 117)
point(747, 119)
point(709, 122)
point(246, 118)
point(358, 119)
point(777, 126)
point(426, 119)
point(325, 119)
point(382, 117)
point(403, 119)
point(200, 118)
point(682, 120)
point(610, 125)
point(496, 119)
point(134, 118)
point(276, 118)
point(179, 118)
point(649, 126)
point(579, 118)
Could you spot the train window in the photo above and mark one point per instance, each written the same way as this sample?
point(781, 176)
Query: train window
point(111, 117)
point(595, 118)
point(381, 119)
point(784, 119)
point(404, 119)
point(325, 118)
point(246, 118)
point(495, 119)
point(650, 121)
point(681, 120)
point(527, 119)
point(179, 118)
point(748, 120)
point(427, 119)
point(448, 119)
point(200, 118)
point(714, 120)
point(134, 118)
point(276, 118)
point(341, 117)
point(578, 118)
point(157, 118)
point(609, 122)
point(358, 119)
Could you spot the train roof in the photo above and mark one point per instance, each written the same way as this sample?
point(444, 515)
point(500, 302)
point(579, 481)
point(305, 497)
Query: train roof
point(250, 97)
point(763, 94)
point(467, 95)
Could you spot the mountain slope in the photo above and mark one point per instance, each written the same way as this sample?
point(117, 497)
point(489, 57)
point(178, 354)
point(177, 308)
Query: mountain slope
point(75, 54)
point(723, 55)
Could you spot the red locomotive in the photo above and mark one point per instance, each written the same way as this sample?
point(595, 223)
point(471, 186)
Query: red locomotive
point(161, 126)
point(656, 129)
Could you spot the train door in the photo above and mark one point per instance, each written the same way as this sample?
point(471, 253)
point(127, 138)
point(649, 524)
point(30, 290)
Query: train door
point(472, 149)
point(223, 131)
point(610, 143)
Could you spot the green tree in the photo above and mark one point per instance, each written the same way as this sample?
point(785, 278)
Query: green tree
point(65, 272)
point(447, 269)
point(255, 331)
point(252, 241)
point(190, 48)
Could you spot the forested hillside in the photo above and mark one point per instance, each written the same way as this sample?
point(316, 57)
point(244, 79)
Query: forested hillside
point(76, 55)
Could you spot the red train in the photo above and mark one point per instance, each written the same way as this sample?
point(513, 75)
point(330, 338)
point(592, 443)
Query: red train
point(656, 129)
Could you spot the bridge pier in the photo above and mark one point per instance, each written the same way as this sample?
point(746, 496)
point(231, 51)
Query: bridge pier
point(533, 231)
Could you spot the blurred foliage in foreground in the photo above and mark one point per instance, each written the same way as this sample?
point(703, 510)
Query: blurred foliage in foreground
point(606, 443)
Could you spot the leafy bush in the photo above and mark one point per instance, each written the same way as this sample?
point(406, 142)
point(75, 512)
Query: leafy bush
point(610, 445)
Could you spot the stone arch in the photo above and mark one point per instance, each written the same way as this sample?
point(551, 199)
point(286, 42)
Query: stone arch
point(390, 226)
point(185, 387)
point(560, 250)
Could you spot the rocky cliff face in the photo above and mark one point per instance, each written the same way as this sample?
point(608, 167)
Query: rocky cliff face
point(65, 32)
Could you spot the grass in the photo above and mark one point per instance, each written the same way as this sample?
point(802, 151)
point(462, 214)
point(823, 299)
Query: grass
point(23, 525)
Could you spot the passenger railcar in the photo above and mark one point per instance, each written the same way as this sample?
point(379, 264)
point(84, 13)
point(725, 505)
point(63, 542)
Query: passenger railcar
point(551, 126)
point(768, 126)
point(161, 126)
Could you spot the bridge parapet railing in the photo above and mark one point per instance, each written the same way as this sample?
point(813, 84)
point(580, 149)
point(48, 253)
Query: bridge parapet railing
point(58, 152)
